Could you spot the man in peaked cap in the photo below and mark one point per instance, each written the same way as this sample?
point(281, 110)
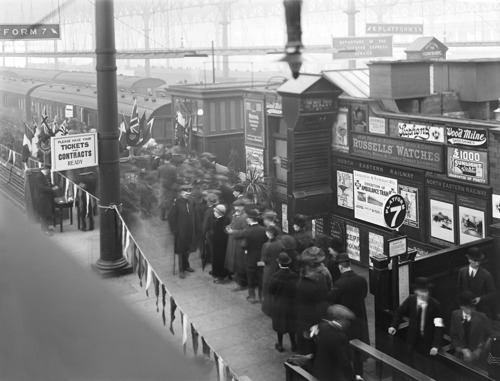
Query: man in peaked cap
point(426, 327)
point(479, 281)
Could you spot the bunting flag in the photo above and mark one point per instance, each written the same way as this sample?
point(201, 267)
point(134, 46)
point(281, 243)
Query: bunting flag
point(163, 295)
point(194, 339)
point(62, 129)
point(204, 347)
point(123, 133)
point(10, 157)
point(45, 134)
point(134, 128)
point(127, 243)
point(173, 307)
point(149, 275)
point(35, 140)
point(217, 365)
point(135, 259)
point(184, 323)
point(222, 370)
point(29, 134)
point(147, 130)
point(67, 189)
point(156, 284)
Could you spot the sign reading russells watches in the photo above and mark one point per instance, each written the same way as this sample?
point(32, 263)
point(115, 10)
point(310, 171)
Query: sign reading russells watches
point(401, 151)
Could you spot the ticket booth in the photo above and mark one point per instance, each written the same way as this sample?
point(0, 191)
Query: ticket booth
point(309, 105)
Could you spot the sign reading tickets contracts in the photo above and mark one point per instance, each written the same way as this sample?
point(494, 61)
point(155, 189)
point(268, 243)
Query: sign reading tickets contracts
point(74, 151)
point(400, 151)
point(361, 47)
point(468, 165)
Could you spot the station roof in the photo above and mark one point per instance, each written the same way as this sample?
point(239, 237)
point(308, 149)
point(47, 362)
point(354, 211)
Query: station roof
point(354, 82)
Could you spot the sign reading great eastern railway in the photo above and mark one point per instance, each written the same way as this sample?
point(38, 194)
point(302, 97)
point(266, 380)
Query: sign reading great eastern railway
point(29, 32)
point(401, 151)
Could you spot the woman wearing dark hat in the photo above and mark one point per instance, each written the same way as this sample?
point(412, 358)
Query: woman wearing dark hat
point(313, 265)
point(219, 243)
point(479, 281)
point(270, 252)
point(302, 236)
point(235, 254)
point(426, 327)
point(469, 329)
point(282, 286)
point(290, 247)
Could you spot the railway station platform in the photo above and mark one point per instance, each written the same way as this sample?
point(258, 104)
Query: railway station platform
point(236, 331)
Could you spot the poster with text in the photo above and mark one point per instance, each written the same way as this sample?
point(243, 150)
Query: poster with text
point(254, 122)
point(352, 241)
point(284, 218)
point(376, 245)
point(255, 159)
point(410, 195)
point(344, 190)
point(442, 220)
point(370, 193)
point(376, 125)
point(471, 224)
point(340, 141)
point(359, 117)
point(495, 202)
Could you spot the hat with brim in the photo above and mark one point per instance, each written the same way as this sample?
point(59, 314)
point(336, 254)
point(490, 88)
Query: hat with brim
point(252, 213)
point(342, 257)
point(465, 298)
point(239, 202)
point(283, 259)
point(475, 254)
point(212, 199)
point(313, 254)
point(288, 242)
point(422, 283)
point(185, 188)
point(238, 188)
point(220, 209)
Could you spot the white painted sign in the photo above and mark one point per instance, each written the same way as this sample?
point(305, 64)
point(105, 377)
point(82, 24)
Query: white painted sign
point(74, 151)
point(68, 111)
point(376, 125)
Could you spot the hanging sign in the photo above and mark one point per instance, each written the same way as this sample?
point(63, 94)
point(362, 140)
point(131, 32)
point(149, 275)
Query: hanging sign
point(74, 151)
point(468, 165)
point(395, 211)
point(29, 32)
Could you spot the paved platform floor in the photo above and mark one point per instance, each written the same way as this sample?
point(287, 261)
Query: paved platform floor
point(238, 331)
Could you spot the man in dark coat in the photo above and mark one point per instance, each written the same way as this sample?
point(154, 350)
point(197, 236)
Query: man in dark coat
point(426, 327)
point(479, 281)
point(350, 290)
point(469, 329)
point(87, 181)
point(167, 176)
point(44, 197)
point(332, 354)
point(182, 221)
point(218, 242)
point(254, 237)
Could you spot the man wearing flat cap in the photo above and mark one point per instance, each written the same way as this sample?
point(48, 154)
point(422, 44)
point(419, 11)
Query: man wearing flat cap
point(479, 281)
point(426, 327)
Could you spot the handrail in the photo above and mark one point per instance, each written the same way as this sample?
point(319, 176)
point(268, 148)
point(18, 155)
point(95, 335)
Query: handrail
point(296, 373)
point(369, 351)
point(470, 368)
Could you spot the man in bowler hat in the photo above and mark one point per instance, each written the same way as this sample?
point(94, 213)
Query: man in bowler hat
point(479, 281)
point(426, 327)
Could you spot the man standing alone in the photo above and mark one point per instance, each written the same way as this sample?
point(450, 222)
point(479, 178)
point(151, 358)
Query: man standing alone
point(44, 197)
point(182, 221)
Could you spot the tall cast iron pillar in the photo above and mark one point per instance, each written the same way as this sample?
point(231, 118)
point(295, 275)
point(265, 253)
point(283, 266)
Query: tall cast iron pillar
point(111, 261)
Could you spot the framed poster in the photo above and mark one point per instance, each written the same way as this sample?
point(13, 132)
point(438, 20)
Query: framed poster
point(359, 117)
point(284, 218)
point(370, 193)
point(340, 140)
point(344, 190)
point(254, 122)
point(376, 245)
point(469, 165)
point(421, 132)
point(352, 242)
point(472, 137)
point(410, 194)
point(442, 220)
point(495, 202)
point(255, 158)
point(404, 282)
point(376, 125)
point(471, 224)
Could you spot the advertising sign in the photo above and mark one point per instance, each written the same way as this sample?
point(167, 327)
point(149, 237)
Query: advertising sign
point(284, 218)
point(74, 151)
point(361, 47)
point(442, 217)
point(370, 193)
point(69, 111)
point(397, 246)
point(468, 165)
point(344, 190)
point(401, 151)
point(394, 211)
point(339, 131)
point(255, 158)
point(410, 195)
point(376, 245)
point(376, 125)
point(359, 117)
point(352, 242)
point(380, 28)
point(337, 228)
point(421, 132)
point(254, 122)
point(467, 136)
point(29, 31)
point(472, 218)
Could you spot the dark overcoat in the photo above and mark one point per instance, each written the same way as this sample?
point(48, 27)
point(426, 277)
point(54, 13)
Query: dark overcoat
point(235, 255)
point(350, 290)
point(482, 285)
point(44, 195)
point(479, 331)
point(309, 302)
point(270, 252)
point(218, 245)
point(332, 354)
point(182, 222)
point(282, 287)
point(255, 237)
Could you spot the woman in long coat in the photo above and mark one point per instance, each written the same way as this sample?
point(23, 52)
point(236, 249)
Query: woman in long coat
point(235, 255)
point(219, 240)
point(282, 287)
point(270, 252)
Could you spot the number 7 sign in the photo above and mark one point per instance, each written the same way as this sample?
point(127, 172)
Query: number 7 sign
point(395, 211)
